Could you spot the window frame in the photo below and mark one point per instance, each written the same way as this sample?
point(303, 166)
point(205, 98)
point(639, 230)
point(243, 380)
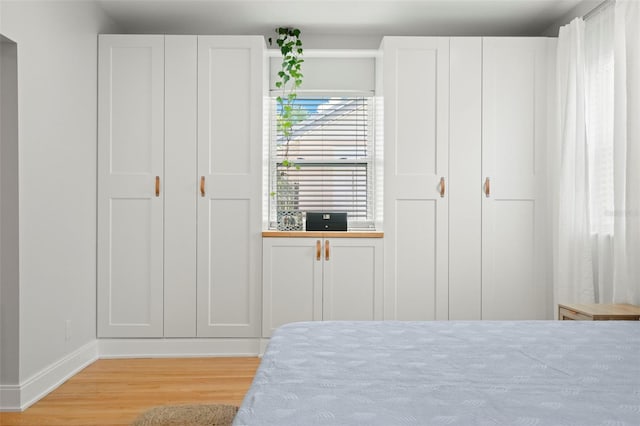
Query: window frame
point(370, 162)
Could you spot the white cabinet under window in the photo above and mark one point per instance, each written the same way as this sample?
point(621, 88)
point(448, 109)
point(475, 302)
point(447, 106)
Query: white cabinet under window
point(179, 185)
point(312, 279)
point(465, 136)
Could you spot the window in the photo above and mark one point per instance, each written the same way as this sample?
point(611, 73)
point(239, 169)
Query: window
point(332, 151)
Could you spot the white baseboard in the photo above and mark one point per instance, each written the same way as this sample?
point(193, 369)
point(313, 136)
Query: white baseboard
point(20, 397)
point(263, 346)
point(10, 398)
point(178, 348)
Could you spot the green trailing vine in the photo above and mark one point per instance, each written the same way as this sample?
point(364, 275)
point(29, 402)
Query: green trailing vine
point(288, 81)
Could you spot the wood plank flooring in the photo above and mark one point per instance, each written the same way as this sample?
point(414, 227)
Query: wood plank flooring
point(116, 391)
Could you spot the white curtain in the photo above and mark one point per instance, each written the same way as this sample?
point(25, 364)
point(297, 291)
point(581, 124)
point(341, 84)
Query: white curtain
point(573, 267)
point(597, 209)
point(626, 148)
point(599, 76)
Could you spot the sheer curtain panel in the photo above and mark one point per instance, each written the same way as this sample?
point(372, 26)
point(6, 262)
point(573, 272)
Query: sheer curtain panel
point(597, 205)
point(573, 268)
point(626, 147)
point(599, 76)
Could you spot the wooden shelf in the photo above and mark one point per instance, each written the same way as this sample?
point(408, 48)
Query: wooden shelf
point(323, 234)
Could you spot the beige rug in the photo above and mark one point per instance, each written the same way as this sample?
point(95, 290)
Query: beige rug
point(191, 415)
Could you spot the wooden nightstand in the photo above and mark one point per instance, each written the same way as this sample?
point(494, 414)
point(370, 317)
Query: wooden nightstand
point(599, 312)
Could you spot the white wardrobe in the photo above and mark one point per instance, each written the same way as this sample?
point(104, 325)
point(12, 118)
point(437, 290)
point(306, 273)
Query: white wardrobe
point(179, 185)
point(464, 182)
point(180, 250)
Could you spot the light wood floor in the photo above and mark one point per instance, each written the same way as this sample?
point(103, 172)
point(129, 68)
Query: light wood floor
point(115, 391)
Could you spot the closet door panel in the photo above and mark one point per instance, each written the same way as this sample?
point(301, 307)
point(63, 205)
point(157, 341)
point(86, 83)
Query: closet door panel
point(229, 299)
point(131, 256)
point(181, 189)
point(229, 99)
point(416, 72)
point(512, 292)
point(130, 179)
point(465, 197)
point(512, 81)
point(131, 97)
point(229, 175)
point(416, 116)
point(514, 93)
point(416, 231)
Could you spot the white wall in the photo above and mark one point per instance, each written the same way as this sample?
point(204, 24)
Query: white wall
point(57, 84)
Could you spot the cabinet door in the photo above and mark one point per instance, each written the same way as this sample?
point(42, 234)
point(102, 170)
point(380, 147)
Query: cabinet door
point(514, 94)
point(352, 279)
point(230, 171)
point(465, 167)
point(416, 95)
point(180, 189)
point(292, 281)
point(130, 193)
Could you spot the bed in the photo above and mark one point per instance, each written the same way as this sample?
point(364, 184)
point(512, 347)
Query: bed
point(448, 373)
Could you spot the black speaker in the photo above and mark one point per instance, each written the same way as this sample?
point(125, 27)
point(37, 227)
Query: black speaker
point(323, 221)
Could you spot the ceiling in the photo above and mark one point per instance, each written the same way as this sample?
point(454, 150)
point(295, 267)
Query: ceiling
point(342, 17)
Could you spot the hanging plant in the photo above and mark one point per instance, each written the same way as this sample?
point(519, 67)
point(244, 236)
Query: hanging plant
point(289, 79)
point(288, 114)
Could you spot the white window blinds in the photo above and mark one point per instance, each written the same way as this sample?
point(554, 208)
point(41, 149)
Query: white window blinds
point(332, 152)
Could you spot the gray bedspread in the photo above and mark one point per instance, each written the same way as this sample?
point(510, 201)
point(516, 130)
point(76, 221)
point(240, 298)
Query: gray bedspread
point(448, 373)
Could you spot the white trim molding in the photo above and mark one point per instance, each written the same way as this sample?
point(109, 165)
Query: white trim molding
point(332, 53)
point(178, 348)
point(20, 397)
point(10, 398)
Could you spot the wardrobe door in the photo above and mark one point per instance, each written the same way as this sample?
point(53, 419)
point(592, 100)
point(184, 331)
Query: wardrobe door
point(416, 96)
point(130, 186)
point(465, 198)
point(180, 190)
point(230, 74)
point(514, 128)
